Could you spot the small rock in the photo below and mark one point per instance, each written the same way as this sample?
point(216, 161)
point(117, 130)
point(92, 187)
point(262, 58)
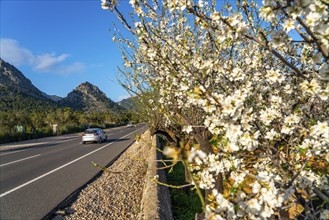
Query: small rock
point(60, 213)
point(69, 211)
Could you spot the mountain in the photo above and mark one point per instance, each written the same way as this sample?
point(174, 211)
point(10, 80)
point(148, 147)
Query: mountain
point(13, 80)
point(18, 93)
point(88, 97)
point(55, 98)
point(129, 103)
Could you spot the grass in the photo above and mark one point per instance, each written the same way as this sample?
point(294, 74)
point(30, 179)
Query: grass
point(185, 202)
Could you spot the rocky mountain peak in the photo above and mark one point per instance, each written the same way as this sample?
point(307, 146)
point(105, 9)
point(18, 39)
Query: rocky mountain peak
point(13, 80)
point(10, 74)
point(1, 62)
point(88, 88)
point(85, 97)
point(88, 97)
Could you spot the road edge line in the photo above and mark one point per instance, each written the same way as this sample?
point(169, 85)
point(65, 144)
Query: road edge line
point(16, 161)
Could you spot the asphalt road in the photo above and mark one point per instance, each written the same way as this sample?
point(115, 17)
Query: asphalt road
point(36, 177)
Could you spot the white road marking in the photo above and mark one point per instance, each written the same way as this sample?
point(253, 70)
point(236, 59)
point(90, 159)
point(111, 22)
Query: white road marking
point(16, 161)
point(4, 154)
point(65, 165)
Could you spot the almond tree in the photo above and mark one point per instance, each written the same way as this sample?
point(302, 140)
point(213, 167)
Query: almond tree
point(243, 93)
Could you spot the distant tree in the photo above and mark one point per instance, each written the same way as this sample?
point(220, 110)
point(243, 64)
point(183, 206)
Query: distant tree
point(38, 120)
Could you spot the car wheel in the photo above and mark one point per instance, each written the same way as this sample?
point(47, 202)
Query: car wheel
point(83, 142)
point(100, 140)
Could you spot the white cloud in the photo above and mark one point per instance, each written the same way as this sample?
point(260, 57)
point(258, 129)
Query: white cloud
point(73, 68)
point(14, 54)
point(17, 55)
point(46, 62)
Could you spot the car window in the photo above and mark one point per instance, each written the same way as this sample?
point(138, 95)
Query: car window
point(91, 131)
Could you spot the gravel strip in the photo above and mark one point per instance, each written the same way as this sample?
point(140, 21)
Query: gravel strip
point(117, 194)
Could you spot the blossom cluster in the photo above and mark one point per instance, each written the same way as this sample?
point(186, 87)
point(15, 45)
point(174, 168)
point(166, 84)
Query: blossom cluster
point(256, 77)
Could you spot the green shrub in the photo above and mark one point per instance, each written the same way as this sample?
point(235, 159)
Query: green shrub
point(185, 202)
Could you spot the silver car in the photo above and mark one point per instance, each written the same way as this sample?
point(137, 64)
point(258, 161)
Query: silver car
point(94, 135)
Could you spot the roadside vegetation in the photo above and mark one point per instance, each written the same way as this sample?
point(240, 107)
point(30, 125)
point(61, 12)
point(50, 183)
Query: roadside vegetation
point(23, 118)
point(185, 202)
point(240, 90)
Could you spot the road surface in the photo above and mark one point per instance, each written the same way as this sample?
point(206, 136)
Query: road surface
point(36, 177)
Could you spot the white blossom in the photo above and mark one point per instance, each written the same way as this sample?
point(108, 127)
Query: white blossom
point(271, 134)
point(188, 129)
point(252, 80)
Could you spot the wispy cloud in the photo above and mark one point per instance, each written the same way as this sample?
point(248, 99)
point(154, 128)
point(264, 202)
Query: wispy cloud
point(17, 55)
point(46, 62)
point(13, 53)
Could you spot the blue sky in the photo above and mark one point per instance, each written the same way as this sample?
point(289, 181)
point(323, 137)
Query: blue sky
point(59, 44)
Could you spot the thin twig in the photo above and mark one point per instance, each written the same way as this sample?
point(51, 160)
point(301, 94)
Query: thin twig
point(171, 186)
point(320, 194)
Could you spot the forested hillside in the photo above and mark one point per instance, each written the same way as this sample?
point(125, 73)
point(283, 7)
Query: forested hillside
point(16, 101)
point(26, 112)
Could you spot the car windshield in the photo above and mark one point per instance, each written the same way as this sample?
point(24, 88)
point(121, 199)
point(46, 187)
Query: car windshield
point(90, 131)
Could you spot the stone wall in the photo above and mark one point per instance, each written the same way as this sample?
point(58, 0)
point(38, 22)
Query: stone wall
point(156, 202)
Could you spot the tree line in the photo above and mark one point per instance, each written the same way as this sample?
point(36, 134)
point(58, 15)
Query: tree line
point(23, 117)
